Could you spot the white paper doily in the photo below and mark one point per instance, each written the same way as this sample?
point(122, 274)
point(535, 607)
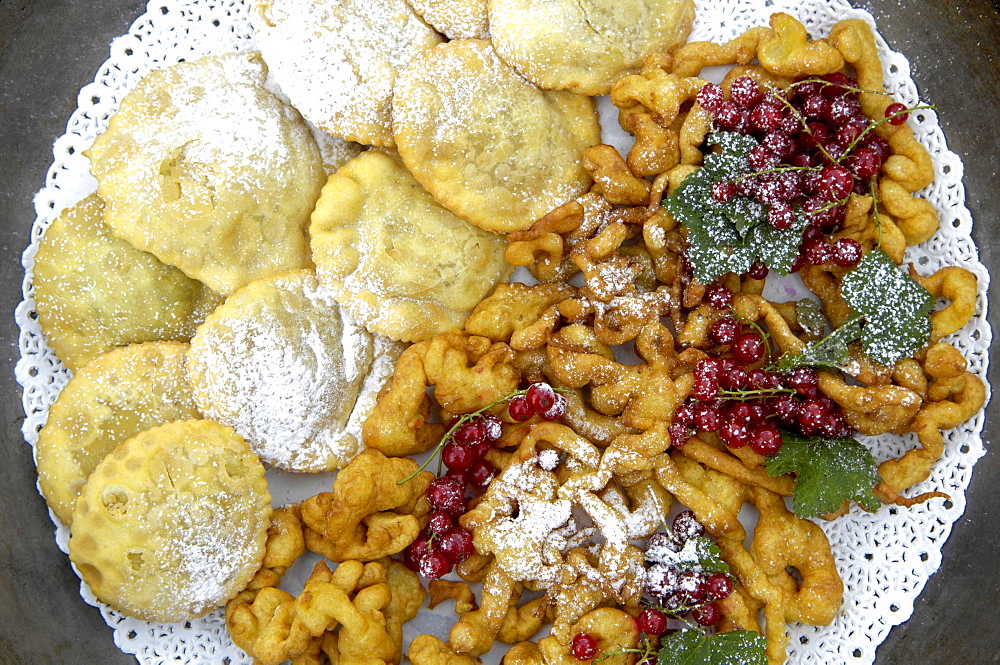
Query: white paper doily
point(885, 558)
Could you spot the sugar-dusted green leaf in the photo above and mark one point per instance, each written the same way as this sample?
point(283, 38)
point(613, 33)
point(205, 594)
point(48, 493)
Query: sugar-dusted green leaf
point(831, 352)
point(697, 552)
point(810, 317)
point(777, 248)
point(895, 307)
point(693, 647)
point(830, 471)
point(730, 236)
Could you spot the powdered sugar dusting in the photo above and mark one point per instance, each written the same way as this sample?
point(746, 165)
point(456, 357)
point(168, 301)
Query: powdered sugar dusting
point(337, 61)
point(457, 19)
point(283, 366)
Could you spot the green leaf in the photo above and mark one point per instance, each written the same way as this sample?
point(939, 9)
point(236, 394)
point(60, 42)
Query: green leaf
point(730, 236)
point(699, 552)
point(895, 307)
point(810, 317)
point(830, 471)
point(693, 647)
point(831, 352)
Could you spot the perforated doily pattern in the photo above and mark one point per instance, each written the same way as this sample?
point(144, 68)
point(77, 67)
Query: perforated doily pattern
point(885, 558)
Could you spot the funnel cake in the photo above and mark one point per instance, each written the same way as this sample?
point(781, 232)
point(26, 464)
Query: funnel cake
point(206, 169)
point(281, 363)
point(173, 523)
point(487, 144)
point(396, 260)
point(94, 292)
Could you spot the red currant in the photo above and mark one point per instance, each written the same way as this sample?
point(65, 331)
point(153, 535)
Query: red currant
point(417, 551)
point(896, 113)
point(447, 494)
point(711, 97)
point(583, 646)
point(469, 433)
point(744, 91)
point(765, 439)
point(519, 409)
point(758, 270)
point(847, 252)
point(540, 396)
point(557, 410)
point(457, 456)
point(723, 191)
point(719, 585)
point(456, 545)
point(679, 434)
point(724, 330)
point(492, 427)
point(749, 347)
point(686, 525)
point(481, 473)
point(652, 621)
point(707, 615)
point(435, 565)
point(440, 522)
point(718, 296)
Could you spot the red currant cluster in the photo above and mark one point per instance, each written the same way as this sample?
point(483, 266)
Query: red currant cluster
point(444, 543)
point(745, 407)
point(682, 591)
point(816, 148)
point(539, 399)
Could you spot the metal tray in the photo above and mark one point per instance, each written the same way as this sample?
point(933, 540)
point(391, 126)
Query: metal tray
point(50, 48)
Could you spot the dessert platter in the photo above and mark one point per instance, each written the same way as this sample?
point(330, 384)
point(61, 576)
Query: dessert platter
point(374, 333)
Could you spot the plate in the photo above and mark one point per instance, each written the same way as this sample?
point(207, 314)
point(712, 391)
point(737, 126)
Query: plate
point(41, 615)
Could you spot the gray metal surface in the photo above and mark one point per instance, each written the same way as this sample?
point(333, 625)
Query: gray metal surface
point(50, 48)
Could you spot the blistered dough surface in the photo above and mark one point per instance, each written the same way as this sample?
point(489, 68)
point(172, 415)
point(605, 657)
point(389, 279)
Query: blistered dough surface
point(337, 61)
point(94, 292)
point(205, 168)
point(284, 365)
point(585, 45)
point(486, 143)
point(172, 523)
point(399, 262)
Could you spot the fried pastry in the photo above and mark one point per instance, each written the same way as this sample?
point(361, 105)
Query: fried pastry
point(173, 523)
point(456, 19)
point(116, 396)
point(487, 144)
point(337, 62)
point(400, 263)
point(94, 292)
point(206, 169)
point(585, 45)
point(282, 364)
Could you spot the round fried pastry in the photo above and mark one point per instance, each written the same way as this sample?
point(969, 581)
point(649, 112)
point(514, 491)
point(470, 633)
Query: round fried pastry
point(173, 523)
point(94, 292)
point(488, 145)
point(585, 45)
point(112, 398)
point(337, 61)
point(205, 168)
point(400, 263)
point(282, 363)
point(456, 19)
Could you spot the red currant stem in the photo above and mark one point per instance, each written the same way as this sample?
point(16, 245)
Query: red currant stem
point(747, 395)
point(802, 121)
point(876, 122)
point(777, 169)
point(826, 84)
point(464, 418)
point(830, 205)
